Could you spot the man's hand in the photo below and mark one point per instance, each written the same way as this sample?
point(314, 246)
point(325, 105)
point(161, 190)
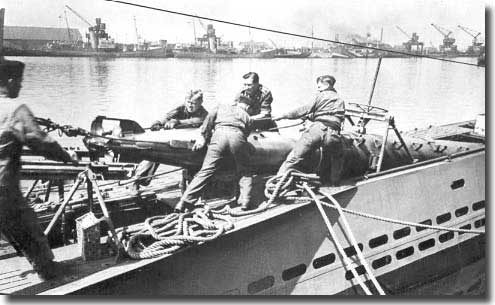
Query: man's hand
point(171, 124)
point(156, 126)
point(72, 157)
point(199, 143)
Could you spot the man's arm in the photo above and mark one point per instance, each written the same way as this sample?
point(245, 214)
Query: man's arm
point(169, 121)
point(266, 106)
point(205, 130)
point(30, 134)
point(194, 121)
point(208, 124)
point(296, 113)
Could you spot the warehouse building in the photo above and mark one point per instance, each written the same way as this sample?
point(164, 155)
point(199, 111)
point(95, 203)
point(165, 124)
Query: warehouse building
point(36, 38)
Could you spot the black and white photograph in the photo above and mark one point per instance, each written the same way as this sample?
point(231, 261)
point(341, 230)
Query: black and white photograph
point(166, 148)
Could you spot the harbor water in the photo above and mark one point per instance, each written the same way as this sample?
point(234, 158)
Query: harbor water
point(417, 92)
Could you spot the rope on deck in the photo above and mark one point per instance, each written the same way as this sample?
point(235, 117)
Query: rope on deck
point(166, 234)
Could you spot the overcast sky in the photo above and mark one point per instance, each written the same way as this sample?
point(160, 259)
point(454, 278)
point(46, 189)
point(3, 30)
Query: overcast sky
point(326, 17)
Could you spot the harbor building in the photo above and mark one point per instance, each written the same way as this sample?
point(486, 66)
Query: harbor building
point(32, 38)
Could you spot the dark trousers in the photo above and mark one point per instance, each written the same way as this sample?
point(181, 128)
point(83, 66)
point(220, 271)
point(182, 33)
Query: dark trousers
point(318, 136)
point(19, 225)
point(224, 142)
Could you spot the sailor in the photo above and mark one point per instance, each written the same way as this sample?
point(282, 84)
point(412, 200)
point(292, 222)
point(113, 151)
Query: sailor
point(327, 114)
point(229, 126)
point(18, 223)
point(190, 114)
point(262, 100)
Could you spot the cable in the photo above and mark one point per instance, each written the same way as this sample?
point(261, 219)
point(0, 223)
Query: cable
point(288, 33)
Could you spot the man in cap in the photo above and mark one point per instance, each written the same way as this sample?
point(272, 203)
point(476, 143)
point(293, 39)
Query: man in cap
point(190, 114)
point(229, 126)
point(327, 114)
point(18, 128)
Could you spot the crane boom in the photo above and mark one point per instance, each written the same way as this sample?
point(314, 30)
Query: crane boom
point(403, 32)
point(273, 43)
point(67, 23)
point(202, 24)
point(469, 31)
point(77, 14)
point(440, 30)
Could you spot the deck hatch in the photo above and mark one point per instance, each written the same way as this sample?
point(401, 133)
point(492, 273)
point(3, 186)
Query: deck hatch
point(398, 234)
point(443, 218)
point(424, 222)
point(461, 211)
point(479, 223)
point(465, 227)
point(350, 251)
point(446, 236)
point(479, 205)
point(324, 260)
point(405, 252)
point(378, 241)
point(457, 184)
point(261, 284)
point(426, 244)
point(359, 270)
point(382, 261)
point(293, 272)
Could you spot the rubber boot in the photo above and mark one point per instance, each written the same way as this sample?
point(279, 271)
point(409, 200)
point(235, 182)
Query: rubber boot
point(245, 187)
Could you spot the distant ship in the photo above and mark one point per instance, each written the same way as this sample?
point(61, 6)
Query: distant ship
point(292, 53)
point(202, 52)
point(162, 52)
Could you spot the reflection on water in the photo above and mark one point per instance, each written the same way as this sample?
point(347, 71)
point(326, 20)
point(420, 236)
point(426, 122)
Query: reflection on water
point(418, 92)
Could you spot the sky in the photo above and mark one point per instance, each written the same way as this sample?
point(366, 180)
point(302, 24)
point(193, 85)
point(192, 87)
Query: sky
point(325, 18)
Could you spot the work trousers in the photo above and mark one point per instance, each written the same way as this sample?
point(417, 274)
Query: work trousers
point(19, 225)
point(328, 140)
point(224, 142)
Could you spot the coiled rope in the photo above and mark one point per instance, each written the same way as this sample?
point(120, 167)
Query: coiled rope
point(166, 234)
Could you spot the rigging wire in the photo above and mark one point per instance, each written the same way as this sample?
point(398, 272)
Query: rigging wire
point(290, 34)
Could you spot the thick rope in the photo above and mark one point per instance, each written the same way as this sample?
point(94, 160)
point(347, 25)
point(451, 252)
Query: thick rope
point(355, 244)
point(402, 222)
point(166, 234)
point(348, 263)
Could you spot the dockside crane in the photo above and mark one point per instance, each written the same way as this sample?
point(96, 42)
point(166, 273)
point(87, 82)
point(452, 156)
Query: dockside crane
point(476, 47)
point(413, 44)
point(97, 37)
point(447, 45)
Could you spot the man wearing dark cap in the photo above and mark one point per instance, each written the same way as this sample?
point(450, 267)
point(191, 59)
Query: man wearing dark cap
point(18, 128)
point(327, 114)
point(229, 126)
point(259, 94)
point(190, 114)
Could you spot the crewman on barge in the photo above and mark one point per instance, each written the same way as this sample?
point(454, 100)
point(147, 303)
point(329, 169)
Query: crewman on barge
point(327, 114)
point(229, 126)
point(262, 99)
point(18, 128)
point(190, 114)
